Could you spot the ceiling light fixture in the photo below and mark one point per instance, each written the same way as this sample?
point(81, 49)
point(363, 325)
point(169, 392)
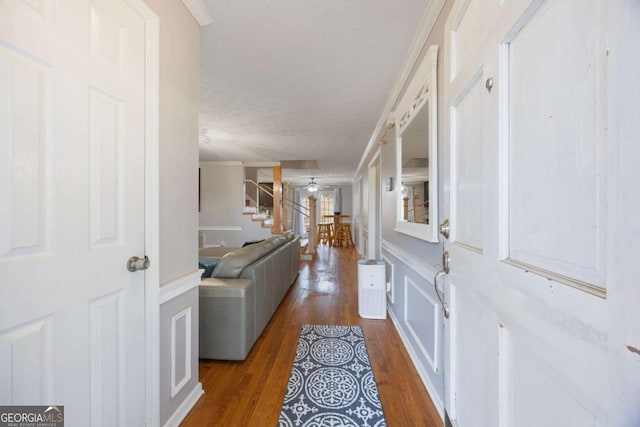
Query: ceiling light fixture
point(312, 187)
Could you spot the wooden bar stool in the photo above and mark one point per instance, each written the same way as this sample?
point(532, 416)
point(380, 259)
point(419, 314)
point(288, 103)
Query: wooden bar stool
point(343, 235)
point(325, 234)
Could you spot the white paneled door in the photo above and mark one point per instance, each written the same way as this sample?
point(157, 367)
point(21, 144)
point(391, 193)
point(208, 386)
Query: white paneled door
point(72, 141)
point(540, 190)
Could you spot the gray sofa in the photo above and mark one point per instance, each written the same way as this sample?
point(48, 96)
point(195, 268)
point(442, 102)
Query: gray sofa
point(244, 290)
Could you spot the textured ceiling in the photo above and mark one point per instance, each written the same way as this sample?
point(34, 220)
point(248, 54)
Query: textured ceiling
point(300, 79)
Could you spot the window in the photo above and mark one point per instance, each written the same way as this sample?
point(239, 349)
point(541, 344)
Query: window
point(325, 206)
point(305, 203)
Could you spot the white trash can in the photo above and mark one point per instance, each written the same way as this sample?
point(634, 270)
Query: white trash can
point(372, 295)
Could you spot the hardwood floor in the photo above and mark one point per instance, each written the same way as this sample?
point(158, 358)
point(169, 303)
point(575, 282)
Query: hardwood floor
point(250, 393)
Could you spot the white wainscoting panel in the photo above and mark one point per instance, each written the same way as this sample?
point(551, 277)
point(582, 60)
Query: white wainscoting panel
point(25, 154)
point(421, 317)
point(389, 279)
point(410, 260)
point(26, 363)
point(436, 398)
point(107, 359)
point(180, 350)
point(106, 181)
point(179, 286)
point(563, 235)
point(418, 322)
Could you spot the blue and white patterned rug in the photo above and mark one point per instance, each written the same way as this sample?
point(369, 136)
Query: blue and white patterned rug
point(331, 381)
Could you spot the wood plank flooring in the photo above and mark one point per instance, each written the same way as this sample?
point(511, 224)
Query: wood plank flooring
point(250, 393)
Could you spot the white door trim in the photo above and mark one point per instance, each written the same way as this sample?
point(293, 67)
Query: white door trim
point(374, 208)
point(151, 211)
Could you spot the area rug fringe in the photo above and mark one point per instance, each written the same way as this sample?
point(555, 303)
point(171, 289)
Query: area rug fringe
point(331, 381)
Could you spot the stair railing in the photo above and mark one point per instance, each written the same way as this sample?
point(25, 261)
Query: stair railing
point(298, 207)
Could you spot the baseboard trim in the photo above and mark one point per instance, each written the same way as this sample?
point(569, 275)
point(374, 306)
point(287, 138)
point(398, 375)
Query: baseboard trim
point(437, 401)
point(185, 407)
point(448, 422)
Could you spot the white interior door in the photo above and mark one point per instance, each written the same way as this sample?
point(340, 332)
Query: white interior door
point(72, 132)
point(534, 204)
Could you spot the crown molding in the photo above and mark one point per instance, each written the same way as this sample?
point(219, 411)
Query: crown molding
point(199, 11)
point(415, 49)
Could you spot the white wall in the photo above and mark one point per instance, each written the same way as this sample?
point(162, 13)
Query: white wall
point(179, 105)
point(221, 193)
point(221, 203)
point(179, 110)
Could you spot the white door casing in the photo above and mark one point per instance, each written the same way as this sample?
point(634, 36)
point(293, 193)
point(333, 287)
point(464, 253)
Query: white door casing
point(374, 209)
point(77, 116)
point(533, 197)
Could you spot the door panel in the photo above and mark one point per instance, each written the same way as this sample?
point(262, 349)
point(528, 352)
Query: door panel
point(72, 134)
point(475, 348)
point(25, 156)
point(468, 25)
point(564, 179)
point(106, 193)
point(532, 242)
point(563, 405)
point(467, 128)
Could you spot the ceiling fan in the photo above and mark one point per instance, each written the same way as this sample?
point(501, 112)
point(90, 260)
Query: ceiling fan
point(312, 186)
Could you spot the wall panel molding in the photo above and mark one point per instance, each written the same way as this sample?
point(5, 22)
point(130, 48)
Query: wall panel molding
point(432, 357)
point(181, 329)
point(411, 261)
point(179, 286)
point(431, 388)
point(390, 278)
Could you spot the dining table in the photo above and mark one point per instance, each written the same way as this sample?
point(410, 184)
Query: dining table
point(337, 217)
